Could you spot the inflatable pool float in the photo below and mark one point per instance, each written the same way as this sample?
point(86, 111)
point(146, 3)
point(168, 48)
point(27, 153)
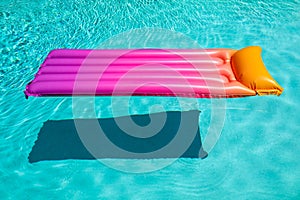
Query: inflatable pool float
point(200, 73)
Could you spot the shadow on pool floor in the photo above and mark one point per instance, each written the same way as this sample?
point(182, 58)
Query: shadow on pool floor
point(160, 135)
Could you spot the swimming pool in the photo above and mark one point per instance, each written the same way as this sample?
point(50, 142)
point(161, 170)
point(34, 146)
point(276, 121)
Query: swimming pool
point(256, 156)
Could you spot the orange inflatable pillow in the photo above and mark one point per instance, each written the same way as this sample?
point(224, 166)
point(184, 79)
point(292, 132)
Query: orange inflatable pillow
point(250, 70)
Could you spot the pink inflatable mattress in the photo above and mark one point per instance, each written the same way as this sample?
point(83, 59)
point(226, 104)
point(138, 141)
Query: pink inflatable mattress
point(153, 72)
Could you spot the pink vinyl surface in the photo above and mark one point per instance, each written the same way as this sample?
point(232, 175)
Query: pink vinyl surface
point(139, 72)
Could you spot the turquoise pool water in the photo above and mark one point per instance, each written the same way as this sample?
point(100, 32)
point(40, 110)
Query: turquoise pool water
point(257, 155)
